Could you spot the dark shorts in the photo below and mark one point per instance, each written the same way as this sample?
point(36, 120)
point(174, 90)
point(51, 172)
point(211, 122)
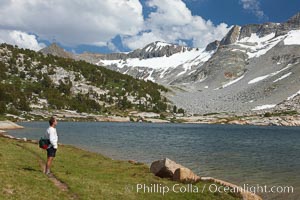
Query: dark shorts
point(51, 152)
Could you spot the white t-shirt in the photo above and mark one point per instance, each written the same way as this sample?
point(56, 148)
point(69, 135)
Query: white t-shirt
point(51, 134)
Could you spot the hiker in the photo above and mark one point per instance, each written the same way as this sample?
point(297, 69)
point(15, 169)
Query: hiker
point(51, 134)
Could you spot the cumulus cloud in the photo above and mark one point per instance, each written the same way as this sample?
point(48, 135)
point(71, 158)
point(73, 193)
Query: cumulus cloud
point(254, 7)
point(21, 39)
point(97, 22)
point(73, 22)
point(172, 21)
point(140, 40)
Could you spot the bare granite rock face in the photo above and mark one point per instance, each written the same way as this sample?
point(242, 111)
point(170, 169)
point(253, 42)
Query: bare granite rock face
point(232, 36)
point(292, 24)
point(157, 49)
point(259, 29)
point(213, 46)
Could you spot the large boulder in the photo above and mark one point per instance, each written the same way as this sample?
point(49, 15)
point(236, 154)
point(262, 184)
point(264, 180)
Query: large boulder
point(185, 175)
point(164, 168)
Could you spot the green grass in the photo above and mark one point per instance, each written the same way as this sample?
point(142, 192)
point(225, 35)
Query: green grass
point(21, 176)
point(282, 113)
point(88, 175)
point(208, 114)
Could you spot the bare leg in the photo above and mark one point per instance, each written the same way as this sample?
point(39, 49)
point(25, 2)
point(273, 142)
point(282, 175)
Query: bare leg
point(48, 164)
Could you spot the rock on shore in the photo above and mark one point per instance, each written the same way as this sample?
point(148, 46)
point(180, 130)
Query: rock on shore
point(7, 125)
point(164, 168)
point(167, 168)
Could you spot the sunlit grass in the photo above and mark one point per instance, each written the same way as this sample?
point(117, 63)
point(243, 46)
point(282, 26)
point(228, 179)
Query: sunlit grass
point(88, 175)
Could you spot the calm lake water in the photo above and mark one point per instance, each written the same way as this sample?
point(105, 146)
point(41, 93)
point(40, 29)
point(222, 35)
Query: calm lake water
point(238, 154)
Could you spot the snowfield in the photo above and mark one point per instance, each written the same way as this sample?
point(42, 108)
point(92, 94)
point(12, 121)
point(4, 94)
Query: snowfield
point(263, 107)
point(187, 59)
point(293, 38)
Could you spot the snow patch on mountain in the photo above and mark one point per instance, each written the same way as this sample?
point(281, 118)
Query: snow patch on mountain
point(254, 38)
point(291, 97)
point(186, 59)
point(256, 46)
point(157, 47)
point(255, 80)
point(263, 107)
point(260, 78)
point(283, 77)
point(233, 81)
point(150, 78)
point(293, 38)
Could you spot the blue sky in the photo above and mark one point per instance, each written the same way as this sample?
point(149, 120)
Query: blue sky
point(123, 25)
point(232, 12)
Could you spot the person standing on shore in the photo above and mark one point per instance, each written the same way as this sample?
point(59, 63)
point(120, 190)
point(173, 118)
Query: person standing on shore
point(51, 134)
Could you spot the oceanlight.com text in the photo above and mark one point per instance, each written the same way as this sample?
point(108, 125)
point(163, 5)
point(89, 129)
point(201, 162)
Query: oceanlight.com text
point(212, 187)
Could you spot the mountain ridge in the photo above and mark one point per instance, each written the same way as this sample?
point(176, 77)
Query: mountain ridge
point(252, 66)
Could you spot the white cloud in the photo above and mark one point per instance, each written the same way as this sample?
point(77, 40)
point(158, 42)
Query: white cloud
point(111, 46)
point(254, 7)
point(172, 12)
point(140, 40)
point(171, 21)
point(21, 39)
point(73, 22)
point(97, 22)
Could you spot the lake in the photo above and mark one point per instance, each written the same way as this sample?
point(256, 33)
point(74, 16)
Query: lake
point(239, 154)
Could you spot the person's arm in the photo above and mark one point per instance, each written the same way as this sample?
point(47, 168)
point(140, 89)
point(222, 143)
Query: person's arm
point(53, 138)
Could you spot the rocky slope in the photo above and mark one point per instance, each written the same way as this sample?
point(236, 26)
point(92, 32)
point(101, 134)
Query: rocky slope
point(31, 82)
point(56, 50)
point(255, 68)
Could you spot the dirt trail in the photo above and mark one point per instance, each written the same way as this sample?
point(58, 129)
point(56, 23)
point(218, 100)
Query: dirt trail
point(58, 183)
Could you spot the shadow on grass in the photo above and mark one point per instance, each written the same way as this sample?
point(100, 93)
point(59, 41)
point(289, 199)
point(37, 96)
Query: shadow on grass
point(29, 169)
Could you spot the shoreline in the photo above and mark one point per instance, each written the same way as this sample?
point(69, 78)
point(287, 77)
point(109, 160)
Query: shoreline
point(255, 120)
point(287, 118)
point(245, 194)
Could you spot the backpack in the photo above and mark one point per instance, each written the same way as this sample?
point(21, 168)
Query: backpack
point(44, 143)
